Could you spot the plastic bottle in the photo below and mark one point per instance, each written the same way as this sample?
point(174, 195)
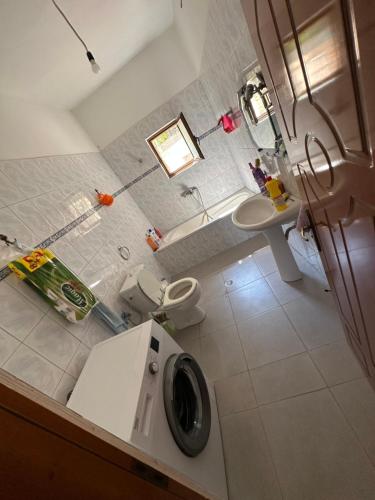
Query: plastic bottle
point(158, 233)
point(281, 185)
point(151, 242)
point(259, 176)
point(273, 188)
point(151, 232)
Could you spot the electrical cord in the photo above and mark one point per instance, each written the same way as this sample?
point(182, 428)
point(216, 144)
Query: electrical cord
point(94, 65)
point(70, 24)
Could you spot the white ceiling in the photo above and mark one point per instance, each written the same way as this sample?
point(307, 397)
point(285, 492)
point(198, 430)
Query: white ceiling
point(41, 59)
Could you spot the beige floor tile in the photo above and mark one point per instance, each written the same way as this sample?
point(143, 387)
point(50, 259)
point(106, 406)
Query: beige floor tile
point(316, 321)
point(265, 261)
point(250, 471)
point(221, 354)
point(252, 299)
point(241, 273)
point(286, 378)
point(234, 394)
point(357, 400)
point(218, 315)
point(212, 286)
point(286, 292)
point(192, 332)
point(268, 337)
point(316, 454)
point(337, 363)
point(188, 339)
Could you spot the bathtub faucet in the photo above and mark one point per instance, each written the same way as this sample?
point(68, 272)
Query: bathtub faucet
point(190, 191)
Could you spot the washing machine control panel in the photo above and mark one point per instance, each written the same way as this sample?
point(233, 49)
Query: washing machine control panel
point(143, 421)
point(153, 365)
point(153, 362)
point(154, 344)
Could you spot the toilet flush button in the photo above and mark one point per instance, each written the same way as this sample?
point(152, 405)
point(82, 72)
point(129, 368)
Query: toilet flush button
point(153, 367)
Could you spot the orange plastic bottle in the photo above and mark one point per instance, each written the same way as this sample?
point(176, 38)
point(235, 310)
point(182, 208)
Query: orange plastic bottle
point(151, 243)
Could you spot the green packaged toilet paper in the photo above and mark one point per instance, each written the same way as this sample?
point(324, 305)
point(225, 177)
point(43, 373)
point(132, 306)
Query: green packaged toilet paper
point(59, 286)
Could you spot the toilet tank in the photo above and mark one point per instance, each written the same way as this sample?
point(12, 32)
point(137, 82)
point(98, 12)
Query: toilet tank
point(132, 293)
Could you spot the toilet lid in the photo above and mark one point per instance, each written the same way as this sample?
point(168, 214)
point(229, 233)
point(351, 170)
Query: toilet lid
point(150, 286)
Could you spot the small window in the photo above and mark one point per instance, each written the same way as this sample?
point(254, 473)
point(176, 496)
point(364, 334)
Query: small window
point(175, 147)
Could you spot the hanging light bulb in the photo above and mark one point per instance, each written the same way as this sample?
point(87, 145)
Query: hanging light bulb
point(94, 65)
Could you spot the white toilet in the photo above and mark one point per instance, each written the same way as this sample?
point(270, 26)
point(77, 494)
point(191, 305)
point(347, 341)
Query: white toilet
point(145, 293)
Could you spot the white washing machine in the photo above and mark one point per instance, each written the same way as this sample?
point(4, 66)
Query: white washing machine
point(143, 388)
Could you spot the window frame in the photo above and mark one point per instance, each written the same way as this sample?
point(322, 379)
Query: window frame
point(197, 157)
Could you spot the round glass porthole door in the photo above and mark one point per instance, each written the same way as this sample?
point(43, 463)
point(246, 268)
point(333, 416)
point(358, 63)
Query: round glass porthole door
point(187, 403)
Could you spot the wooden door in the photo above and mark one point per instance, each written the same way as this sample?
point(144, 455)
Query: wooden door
point(49, 452)
point(318, 59)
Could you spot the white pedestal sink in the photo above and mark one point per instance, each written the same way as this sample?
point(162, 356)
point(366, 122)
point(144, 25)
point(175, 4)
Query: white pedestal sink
point(259, 214)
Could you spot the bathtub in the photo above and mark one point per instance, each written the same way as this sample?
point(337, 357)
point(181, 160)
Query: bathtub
point(198, 222)
point(199, 239)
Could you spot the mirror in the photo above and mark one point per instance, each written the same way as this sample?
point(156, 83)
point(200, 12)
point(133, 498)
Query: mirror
point(257, 110)
point(175, 147)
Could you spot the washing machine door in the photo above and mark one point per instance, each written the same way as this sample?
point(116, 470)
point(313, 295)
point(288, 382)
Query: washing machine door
point(187, 403)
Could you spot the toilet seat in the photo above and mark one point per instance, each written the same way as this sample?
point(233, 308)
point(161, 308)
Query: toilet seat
point(179, 292)
point(145, 293)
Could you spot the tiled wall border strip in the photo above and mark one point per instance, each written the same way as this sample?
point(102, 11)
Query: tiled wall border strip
point(5, 271)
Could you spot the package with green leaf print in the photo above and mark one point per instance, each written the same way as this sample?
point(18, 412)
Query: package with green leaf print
point(61, 288)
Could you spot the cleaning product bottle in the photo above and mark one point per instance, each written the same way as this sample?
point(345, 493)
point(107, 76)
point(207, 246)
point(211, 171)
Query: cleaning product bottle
point(153, 235)
point(281, 184)
point(273, 188)
point(151, 242)
point(158, 233)
point(259, 176)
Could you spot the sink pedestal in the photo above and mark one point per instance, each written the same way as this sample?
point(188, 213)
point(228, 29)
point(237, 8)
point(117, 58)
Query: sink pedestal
point(284, 258)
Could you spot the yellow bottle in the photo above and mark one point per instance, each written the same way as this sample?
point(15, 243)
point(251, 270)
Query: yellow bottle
point(276, 196)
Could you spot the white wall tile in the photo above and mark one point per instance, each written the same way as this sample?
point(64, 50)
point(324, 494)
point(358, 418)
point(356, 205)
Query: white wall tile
point(27, 292)
point(66, 385)
point(8, 191)
point(53, 342)
point(8, 345)
point(18, 316)
point(203, 102)
point(78, 361)
point(32, 368)
point(13, 227)
point(53, 201)
point(97, 332)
